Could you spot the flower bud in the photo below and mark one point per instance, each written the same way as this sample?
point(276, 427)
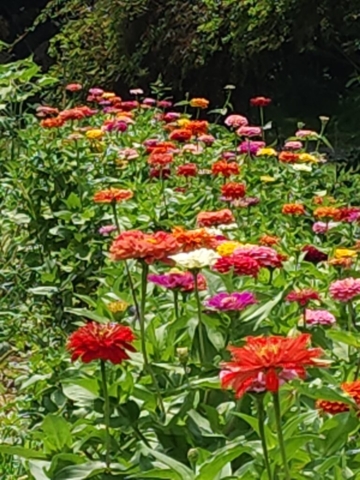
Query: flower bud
point(193, 455)
point(183, 354)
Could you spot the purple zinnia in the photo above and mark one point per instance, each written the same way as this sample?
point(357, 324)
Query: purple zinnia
point(235, 301)
point(183, 281)
point(250, 147)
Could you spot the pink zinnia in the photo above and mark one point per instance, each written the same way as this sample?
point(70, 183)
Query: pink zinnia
point(319, 317)
point(249, 131)
point(73, 87)
point(323, 227)
point(250, 147)
point(207, 139)
point(306, 134)
point(345, 290)
point(136, 91)
point(293, 145)
point(236, 121)
point(235, 301)
point(303, 297)
point(107, 229)
point(265, 256)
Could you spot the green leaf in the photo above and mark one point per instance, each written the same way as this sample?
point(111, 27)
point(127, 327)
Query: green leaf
point(184, 472)
point(80, 395)
point(349, 338)
point(21, 452)
point(57, 433)
point(157, 473)
point(80, 472)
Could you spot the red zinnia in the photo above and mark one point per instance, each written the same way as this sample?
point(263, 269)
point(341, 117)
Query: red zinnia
point(97, 341)
point(180, 135)
point(352, 389)
point(313, 255)
point(303, 297)
point(144, 246)
point(112, 195)
point(211, 219)
point(233, 190)
point(160, 159)
point(224, 168)
point(260, 101)
point(289, 157)
point(187, 170)
point(264, 363)
point(239, 264)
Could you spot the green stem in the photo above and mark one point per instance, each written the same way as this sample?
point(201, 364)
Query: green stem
point(106, 411)
point(201, 333)
point(280, 435)
point(261, 417)
point(144, 274)
point(130, 280)
point(176, 304)
point(262, 122)
point(352, 316)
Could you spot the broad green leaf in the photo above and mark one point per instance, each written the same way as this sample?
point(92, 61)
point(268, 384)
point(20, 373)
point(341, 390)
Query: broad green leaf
point(57, 433)
point(22, 452)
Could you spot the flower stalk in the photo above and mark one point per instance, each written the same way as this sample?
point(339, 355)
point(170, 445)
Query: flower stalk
point(200, 324)
point(106, 412)
point(280, 435)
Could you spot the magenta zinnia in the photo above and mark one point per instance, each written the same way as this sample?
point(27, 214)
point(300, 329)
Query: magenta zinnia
point(235, 301)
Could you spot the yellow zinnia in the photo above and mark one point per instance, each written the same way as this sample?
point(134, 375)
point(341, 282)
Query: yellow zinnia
point(183, 122)
point(227, 248)
point(344, 253)
point(267, 179)
point(94, 134)
point(306, 157)
point(118, 307)
point(266, 152)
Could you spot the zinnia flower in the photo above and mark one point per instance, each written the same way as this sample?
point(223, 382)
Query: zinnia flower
point(197, 127)
point(260, 101)
point(319, 317)
point(73, 87)
point(52, 122)
point(323, 227)
point(269, 240)
point(265, 256)
point(162, 173)
point(112, 195)
point(350, 388)
point(345, 290)
point(118, 307)
point(224, 168)
point(187, 170)
point(306, 134)
point(326, 212)
point(293, 209)
point(177, 280)
point(136, 91)
point(344, 253)
point(211, 219)
point(266, 152)
point(107, 229)
point(313, 255)
point(348, 214)
point(203, 257)
point(233, 190)
point(293, 145)
point(303, 297)
point(288, 157)
point(194, 239)
point(238, 264)
point(250, 147)
point(97, 341)
point(235, 301)
point(227, 248)
point(207, 139)
point(236, 121)
point(270, 361)
point(143, 246)
point(180, 135)
point(199, 103)
point(247, 131)
point(160, 160)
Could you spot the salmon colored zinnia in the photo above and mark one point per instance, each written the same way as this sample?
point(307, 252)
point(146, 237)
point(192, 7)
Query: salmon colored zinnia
point(211, 219)
point(199, 103)
point(293, 209)
point(193, 239)
point(264, 363)
point(98, 341)
point(112, 195)
point(143, 246)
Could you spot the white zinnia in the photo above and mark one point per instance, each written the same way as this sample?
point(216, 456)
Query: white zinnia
point(203, 257)
point(300, 167)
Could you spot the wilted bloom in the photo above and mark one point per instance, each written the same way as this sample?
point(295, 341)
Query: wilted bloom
point(247, 131)
point(288, 157)
point(143, 246)
point(187, 170)
point(250, 147)
point(266, 152)
point(293, 209)
point(265, 256)
point(118, 307)
point(245, 202)
point(111, 195)
point(345, 290)
point(163, 173)
point(73, 87)
point(319, 317)
point(219, 217)
point(323, 227)
point(269, 240)
point(238, 264)
point(269, 361)
point(303, 297)
point(313, 255)
point(107, 229)
point(177, 280)
point(180, 135)
point(225, 302)
point(320, 200)
point(307, 134)
point(203, 257)
point(236, 121)
point(199, 103)
point(293, 145)
point(136, 91)
point(260, 101)
point(193, 239)
point(350, 388)
point(224, 168)
point(98, 341)
point(233, 190)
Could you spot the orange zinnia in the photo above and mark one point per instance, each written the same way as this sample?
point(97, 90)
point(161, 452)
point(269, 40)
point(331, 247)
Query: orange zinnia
point(264, 363)
point(233, 190)
point(326, 212)
point(180, 135)
point(112, 195)
point(193, 239)
point(199, 103)
point(224, 168)
point(197, 127)
point(269, 240)
point(293, 209)
point(211, 219)
point(288, 157)
point(352, 389)
point(144, 246)
point(52, 122)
